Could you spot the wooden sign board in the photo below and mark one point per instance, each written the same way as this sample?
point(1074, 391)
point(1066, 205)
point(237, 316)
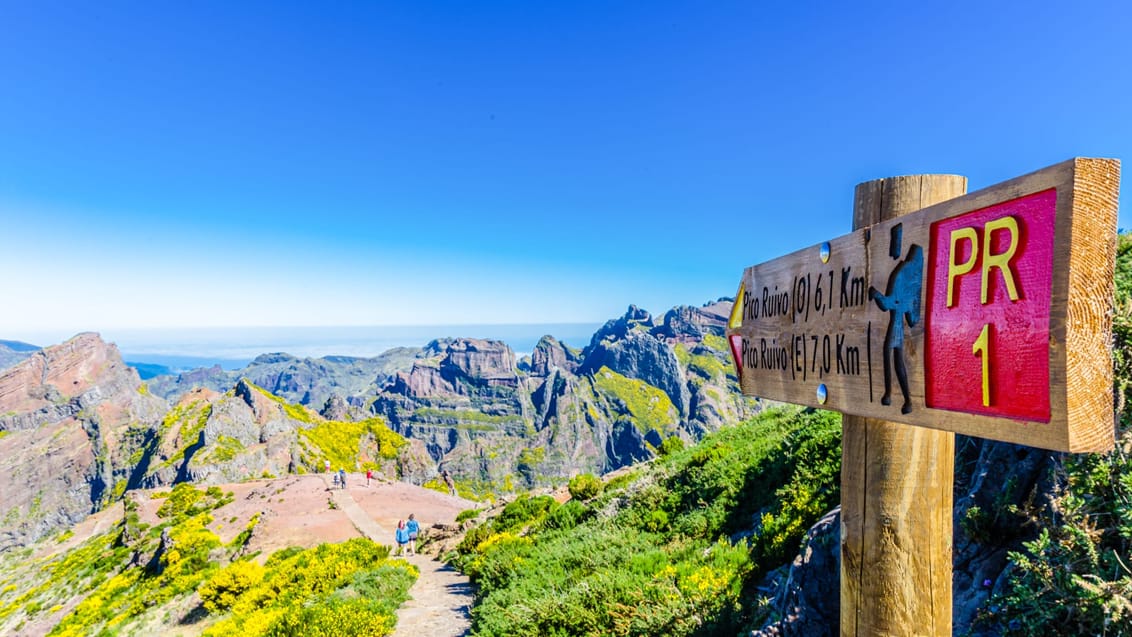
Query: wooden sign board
point(989, 315)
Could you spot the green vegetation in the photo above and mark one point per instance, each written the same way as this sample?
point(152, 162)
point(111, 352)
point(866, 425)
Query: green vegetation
point(100, 568)
point(585, 486)
point(474, 490)
point(126, 578)
point(224, 449)
point(341, 442)
point(670, 445)
point(467, 514)
point(668, 549)
point(295, 412)
point(718, 343)
point(191, 418)
point(649, 408)
point(1075, 578)
point(344, 589)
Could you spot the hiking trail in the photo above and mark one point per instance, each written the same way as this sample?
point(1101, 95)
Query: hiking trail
point(440, 601)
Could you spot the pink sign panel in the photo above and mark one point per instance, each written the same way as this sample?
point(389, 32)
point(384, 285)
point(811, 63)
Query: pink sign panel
point(990, 280)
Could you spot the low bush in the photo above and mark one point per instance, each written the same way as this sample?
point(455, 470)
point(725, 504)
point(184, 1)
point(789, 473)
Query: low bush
point(585, 486)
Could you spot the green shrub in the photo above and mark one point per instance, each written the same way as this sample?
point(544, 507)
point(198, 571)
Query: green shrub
point(566, 517)
point(585, 486)
point(671, 445)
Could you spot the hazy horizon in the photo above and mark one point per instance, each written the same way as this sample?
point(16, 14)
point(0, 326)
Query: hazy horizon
point(234, 347)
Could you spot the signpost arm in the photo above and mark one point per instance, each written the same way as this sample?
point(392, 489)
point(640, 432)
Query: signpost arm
point(896, 480)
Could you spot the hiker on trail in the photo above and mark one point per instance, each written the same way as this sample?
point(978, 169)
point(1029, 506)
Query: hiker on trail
point(341, 478)
point(335, 480)
point(328, 466)
point(414, 528)
point(369, 476)
point(448, 481)
point(402, 536)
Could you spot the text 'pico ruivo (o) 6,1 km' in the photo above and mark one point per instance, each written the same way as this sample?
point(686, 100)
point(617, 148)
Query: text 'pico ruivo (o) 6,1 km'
point(989, 315)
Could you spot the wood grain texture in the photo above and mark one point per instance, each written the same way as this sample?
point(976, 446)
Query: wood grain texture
point(1088, 327)
point(830, 335)
point(896, 481)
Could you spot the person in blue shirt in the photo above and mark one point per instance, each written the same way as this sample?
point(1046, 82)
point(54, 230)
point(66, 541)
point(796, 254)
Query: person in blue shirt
point(402, 536)
point(414, 527)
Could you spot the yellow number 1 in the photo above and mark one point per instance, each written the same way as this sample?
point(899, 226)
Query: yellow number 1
point(982, 349)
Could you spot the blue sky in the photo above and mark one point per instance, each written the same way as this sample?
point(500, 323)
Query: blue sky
point(244, 164)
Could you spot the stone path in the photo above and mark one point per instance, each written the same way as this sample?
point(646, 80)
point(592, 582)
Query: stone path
point(440, 604)
point(365, 525)
point(440, 600)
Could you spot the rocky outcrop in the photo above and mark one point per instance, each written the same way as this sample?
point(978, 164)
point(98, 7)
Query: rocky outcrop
point(494, 424)
point(74, 417)
point(307, 381)
point(212, 438)
point(689, 324)
point(550, 355)
point(335, 408)
point(479, 362)
point(641, 355)
point(807, 595)
point(1015, 483)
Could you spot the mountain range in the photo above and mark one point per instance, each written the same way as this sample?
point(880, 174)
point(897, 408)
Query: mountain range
point(78, 426)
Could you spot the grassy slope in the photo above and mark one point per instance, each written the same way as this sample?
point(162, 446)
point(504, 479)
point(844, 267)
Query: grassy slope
point(349, 588)
point(668, 550)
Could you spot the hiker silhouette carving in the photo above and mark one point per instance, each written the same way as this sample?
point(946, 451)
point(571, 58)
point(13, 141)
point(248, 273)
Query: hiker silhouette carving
point(902, 302)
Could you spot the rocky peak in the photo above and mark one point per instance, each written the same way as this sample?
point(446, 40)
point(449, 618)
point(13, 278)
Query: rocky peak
point(335, 408)
point(634, 318)
point(689, 324)
point(74, 414)
point(262, 407)
point(642, 356)
point(272, 358)
point(59, 373)
point(471, 358)
point(550, 354)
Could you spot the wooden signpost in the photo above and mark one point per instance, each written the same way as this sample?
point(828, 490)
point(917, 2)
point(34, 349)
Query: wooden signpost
point(986, 314)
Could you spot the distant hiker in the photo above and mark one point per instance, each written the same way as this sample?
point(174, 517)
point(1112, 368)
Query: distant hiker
point(328, 466)
point(448, 481)
point(369, 476)
point(414, 527)
point(335, 480)
point(402, 536)
point(341, 478)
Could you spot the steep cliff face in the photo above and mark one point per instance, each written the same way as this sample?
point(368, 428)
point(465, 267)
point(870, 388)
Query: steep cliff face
point(74, 419)
point(495, 423)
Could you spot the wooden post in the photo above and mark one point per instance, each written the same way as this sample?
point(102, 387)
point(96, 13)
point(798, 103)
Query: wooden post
point(896, 481)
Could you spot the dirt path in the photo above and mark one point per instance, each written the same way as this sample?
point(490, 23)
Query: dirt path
point(440, 599)
point(440, 604)
point(361, 520)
